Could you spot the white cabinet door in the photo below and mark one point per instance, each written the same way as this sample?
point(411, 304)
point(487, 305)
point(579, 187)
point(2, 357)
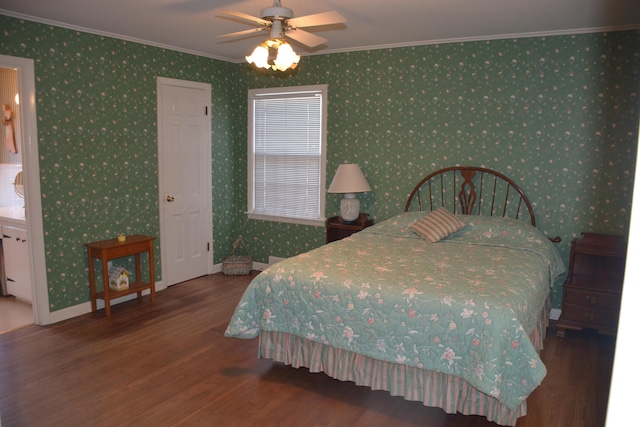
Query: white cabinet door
point(16, 262)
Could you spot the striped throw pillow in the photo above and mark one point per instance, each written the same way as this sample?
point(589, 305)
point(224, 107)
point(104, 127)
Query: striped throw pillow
point(437, 225)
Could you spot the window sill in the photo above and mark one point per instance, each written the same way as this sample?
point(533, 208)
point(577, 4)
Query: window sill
point(284, 219)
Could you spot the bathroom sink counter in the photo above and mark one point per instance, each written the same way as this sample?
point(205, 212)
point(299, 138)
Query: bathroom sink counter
point(13, 216)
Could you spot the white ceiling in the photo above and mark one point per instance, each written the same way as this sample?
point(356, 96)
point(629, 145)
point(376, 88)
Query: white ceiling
point(194, 26)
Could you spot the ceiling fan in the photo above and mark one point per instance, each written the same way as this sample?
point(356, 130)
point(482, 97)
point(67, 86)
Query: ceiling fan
point(279, 21)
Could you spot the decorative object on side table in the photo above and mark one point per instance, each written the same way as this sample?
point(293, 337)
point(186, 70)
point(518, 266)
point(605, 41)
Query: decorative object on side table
point(592, 291)
point(118, 278)
point(349, 180)
point(338, 229)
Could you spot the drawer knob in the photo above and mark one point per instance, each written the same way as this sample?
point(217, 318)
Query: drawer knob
point(591, 316)
point(592, 300)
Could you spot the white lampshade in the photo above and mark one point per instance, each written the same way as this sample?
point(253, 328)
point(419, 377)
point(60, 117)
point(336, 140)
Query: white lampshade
point(349, 179)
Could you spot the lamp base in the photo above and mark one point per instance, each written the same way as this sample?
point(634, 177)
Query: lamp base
point(349, 208)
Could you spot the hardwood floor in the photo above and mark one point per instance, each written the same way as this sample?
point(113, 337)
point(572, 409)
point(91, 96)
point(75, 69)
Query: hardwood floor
point(168, 364)
point(14, 314)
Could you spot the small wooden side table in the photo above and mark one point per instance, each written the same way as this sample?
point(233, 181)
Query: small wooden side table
point(337, 229)
point(106, 250)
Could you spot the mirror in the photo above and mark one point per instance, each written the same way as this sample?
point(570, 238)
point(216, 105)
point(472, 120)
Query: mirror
point(18, 185)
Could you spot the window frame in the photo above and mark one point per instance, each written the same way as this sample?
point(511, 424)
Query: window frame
point(254, 94)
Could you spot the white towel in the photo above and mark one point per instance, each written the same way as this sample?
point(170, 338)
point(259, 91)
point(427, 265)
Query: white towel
point(7, 124)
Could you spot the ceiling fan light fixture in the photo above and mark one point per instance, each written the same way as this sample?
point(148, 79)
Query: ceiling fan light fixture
point(276, 52)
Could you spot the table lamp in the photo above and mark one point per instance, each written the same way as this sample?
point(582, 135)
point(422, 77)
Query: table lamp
point(349, 180)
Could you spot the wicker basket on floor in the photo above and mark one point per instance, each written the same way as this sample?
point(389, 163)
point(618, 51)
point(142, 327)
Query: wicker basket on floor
point(237, 264)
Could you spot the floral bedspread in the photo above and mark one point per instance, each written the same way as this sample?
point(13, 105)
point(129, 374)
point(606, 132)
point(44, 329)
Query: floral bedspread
point(464, 306)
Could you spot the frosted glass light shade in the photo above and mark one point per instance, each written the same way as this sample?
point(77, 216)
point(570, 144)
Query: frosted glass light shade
point(259, 57)
point(286, 58)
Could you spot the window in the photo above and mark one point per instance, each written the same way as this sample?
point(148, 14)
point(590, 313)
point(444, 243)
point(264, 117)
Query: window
point(287, 140)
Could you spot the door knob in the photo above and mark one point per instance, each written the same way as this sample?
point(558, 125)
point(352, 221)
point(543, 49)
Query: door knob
point(170, 198)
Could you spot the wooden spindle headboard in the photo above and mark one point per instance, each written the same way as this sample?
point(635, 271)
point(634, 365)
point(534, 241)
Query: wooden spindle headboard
point(471, 190)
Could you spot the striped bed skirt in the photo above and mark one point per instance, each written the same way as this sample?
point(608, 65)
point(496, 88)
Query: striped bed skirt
point(433, 389)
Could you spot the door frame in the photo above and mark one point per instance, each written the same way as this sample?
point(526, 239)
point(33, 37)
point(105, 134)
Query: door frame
point(208, 214)
point(32, 192)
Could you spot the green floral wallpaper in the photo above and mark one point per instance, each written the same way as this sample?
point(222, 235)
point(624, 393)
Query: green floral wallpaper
point(558, 114)
point(97, 131)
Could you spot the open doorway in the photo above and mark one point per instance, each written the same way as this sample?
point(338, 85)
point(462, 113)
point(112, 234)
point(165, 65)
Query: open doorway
point(16, 308)
point(15, 303)
point(24, 131)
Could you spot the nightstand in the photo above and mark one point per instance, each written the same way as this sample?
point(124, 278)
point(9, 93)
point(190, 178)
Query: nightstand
point(337, 229)
point(592, 291)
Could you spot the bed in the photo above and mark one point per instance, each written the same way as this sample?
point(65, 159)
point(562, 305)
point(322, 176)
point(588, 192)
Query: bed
point(446, 303)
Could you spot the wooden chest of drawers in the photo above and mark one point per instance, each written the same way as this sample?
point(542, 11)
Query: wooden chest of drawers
point(592, 291)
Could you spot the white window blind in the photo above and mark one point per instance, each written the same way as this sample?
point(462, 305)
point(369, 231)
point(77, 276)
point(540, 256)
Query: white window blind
point(286, 151)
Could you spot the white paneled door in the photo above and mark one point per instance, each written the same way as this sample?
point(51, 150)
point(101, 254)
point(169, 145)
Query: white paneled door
point(184, 163)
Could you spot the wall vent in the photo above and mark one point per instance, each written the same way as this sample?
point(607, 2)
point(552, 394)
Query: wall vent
point(274, 259)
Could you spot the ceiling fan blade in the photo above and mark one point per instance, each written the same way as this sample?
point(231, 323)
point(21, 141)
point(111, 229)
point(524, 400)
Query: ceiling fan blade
point(244, 16)
point(305, 37)
point(242, 33)
point(325, 18)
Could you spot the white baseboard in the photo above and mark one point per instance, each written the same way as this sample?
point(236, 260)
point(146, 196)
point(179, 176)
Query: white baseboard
point(555, 314)
point(260, 266)
point(85, 307)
